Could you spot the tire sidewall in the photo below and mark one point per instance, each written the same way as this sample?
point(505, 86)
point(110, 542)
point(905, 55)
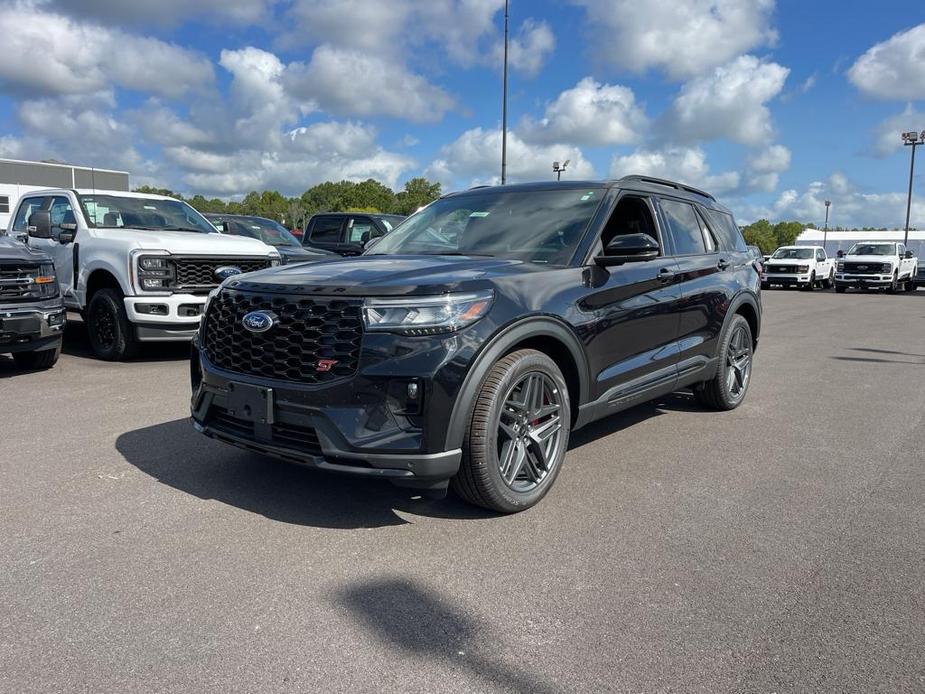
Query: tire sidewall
point(123, 338)
point(728, 401)
point(485, 446)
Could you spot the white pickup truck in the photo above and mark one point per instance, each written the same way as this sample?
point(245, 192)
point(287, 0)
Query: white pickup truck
point(798, 266)
point(137, 267)
point(876, 265)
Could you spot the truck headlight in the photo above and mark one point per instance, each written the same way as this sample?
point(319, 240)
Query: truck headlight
point(426, 315)
point(156, 273)
point(840, 266)
point(887, 269)
point(47, 281)
point(803, 268)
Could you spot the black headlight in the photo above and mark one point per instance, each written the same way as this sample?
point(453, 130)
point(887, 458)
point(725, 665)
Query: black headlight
point(156, 273)
point(47, 281)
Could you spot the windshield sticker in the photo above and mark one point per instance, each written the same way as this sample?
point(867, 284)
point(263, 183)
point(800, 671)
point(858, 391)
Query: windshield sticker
point(587, 196)
point(479, 215)
point(150, 207)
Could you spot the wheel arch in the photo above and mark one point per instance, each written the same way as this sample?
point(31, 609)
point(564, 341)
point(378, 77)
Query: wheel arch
point(747, 306)
point(101, 278)
point(542, 333)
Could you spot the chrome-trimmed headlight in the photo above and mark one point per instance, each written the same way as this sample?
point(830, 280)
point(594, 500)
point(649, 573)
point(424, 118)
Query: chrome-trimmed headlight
point(426, 315)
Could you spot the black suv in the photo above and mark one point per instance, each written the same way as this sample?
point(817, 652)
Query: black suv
point(346, 233)
point(466, 345)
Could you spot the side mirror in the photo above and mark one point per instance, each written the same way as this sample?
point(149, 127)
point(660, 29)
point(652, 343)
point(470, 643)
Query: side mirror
point(909, 255)
point(840, 254)
point(67, 234)
point(39, 225)
point(628, 248)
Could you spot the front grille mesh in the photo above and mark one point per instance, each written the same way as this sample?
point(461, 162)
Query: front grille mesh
point(308, 330)
point(866, 268)
point(199, 273)
point(18, 282)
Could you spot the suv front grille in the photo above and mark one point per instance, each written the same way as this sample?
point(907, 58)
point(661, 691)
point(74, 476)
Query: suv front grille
point(17, 282)
point(298, 438)
point(198, 274)
point(309, 330)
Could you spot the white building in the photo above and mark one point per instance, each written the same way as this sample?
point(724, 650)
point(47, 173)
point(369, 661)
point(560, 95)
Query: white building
point(835, 241)
point(19, 177)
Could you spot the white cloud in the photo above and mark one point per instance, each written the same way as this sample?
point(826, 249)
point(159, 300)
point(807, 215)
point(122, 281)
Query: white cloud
point(683, 164)
point(590, 113)
point(887, 138)
point(529, 48)
point(50, 53)
point(764, 168)
point(851, 206)
point(893, 69)
point(475, 157)
point(727, 103)
point(349, 82)
point(681, 38)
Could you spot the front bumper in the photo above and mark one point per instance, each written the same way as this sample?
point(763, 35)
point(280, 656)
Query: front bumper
point(863, 281)
point(169, 318)
point(362, 425)
point(31, 328)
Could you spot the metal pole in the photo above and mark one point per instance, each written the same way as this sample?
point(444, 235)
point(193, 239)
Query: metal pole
point(909, 199)
point(825, 230)
point(504, 103)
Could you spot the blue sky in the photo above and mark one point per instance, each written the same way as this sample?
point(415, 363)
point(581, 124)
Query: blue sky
point(773, 106)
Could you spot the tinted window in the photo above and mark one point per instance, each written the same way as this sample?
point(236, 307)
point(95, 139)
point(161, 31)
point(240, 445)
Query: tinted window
point(326, 230)
point(724, 228)
point(684, 226)
point(28, 206)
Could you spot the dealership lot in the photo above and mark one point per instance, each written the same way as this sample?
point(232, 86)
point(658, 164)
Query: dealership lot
point(778, 547)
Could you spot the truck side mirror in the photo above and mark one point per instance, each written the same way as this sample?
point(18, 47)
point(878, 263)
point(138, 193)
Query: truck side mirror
point(39, 225)
point(840, 254)
point(909, 255)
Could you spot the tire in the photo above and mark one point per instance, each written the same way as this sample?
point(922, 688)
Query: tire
point(840, 290)
point(112, 336)
point(811, 285)
point(501, 441)
point(910, 286)
point(894, 285)
point(736, 349)
point(829, 282)
point(37, 360)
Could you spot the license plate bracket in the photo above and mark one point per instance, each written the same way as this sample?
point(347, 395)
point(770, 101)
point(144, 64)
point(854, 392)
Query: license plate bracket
point(251, 403)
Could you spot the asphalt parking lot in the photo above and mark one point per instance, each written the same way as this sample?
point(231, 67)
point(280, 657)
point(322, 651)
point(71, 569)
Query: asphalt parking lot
point(777, 548)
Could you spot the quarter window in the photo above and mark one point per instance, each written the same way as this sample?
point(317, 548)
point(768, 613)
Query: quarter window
point(685, 227)
point(728, 236)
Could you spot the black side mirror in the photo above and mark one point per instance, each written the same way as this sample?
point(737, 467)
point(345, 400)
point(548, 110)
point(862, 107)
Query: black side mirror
point(39, 225)
point(840, 254)
point(628, 248)
point(909, 255)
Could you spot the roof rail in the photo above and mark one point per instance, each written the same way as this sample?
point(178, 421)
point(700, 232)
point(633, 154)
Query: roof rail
point(481, 186)
point(670, 184)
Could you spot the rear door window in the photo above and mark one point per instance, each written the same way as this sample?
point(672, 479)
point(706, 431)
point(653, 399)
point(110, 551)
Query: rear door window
point(684, 227)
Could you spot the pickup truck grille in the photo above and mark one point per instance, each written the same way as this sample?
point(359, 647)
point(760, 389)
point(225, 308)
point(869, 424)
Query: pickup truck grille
point(781, 269)
point(309, 330)
point(17, 282)
point(867, 268)
point(197, 275)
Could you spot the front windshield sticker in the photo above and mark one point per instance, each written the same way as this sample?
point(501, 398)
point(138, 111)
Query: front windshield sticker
point(587, 196)
point(150, 207)
point(479, 214)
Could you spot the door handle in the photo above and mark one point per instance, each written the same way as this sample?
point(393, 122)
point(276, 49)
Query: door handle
point(665, 275)
point(723, 264)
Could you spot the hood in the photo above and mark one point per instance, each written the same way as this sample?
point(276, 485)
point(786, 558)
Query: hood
point(384, 275)
point(14, 251)
point(872, 259)
point(188, 242)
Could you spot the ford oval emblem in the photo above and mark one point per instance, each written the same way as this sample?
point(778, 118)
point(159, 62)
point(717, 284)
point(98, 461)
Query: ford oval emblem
point(259, 321)
point(227, 271)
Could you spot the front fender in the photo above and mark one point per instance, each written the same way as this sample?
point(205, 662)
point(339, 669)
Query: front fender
point(501, 344)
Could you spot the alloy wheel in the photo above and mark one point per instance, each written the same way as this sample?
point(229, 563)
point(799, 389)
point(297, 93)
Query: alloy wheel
point(530, 432)
point(738, 363)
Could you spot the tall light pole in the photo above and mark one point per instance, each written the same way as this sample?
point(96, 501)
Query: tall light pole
point(825, 230)
point(911, 139)
point(504, 102)
point(558, 170)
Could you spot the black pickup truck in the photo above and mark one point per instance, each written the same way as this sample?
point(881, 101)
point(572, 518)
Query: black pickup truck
point(32, 315)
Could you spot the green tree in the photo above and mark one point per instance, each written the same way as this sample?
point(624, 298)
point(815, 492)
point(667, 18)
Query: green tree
point(151, 190)
point(416, 193)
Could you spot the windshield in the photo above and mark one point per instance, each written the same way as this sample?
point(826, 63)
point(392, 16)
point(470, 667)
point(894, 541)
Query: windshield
point(793, 254)
point(266, 230)
point(873, 249)
point(535, 226)
point(389, 221)
point(116, 211)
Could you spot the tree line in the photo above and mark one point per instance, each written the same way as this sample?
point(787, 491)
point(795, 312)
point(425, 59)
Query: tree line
point(342, 196)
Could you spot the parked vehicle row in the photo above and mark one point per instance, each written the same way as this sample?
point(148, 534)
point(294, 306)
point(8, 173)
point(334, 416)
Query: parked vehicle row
point(271, 233)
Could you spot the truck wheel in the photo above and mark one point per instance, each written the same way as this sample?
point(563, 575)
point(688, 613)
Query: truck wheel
point(111, 335)
point(727, 389)
point(811, 285)
point(517, 435)
point(829, 282)
point(840, 290)
point(910, 285)
point(894, 285)
point(37, 360)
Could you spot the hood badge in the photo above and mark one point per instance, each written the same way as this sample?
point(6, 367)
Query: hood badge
point(226, 271)
point(259, 321)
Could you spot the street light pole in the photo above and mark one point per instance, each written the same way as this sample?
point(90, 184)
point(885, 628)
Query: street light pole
point(912, 139)
point(504, 101)
point(557, 169)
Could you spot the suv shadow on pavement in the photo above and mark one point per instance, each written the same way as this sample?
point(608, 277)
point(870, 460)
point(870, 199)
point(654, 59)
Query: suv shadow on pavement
point(423, 624)
point(175, 455)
